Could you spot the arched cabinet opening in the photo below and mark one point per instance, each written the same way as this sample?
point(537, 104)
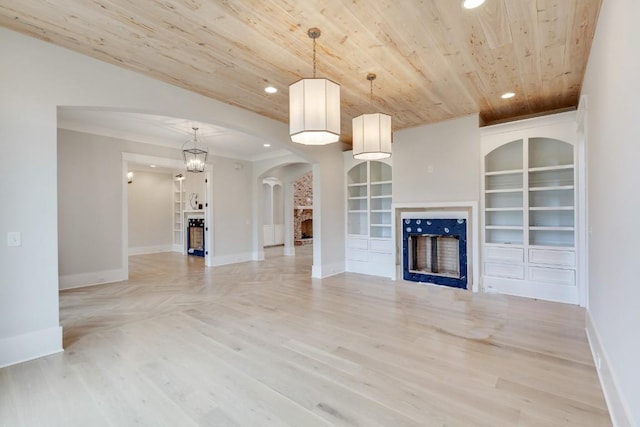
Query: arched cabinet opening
point(273, 215)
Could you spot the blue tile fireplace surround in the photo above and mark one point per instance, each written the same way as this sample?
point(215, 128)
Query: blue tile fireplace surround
point(435, 251)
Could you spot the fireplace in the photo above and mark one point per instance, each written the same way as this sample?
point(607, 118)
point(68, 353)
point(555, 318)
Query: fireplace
point(195, 237)
point(435, 251)
point(303, 226)
point(306, 229)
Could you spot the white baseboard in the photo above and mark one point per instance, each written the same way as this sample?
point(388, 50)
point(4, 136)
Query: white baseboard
point(142, 250)
point(327, 270)
point(258, 256)
point(526, 288)
point(618, 407)
point(92, 278)
point(232, 259)
point(33, 345)
point(177, 248)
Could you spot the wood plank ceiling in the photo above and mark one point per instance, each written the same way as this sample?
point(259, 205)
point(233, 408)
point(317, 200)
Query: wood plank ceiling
point(434, 59)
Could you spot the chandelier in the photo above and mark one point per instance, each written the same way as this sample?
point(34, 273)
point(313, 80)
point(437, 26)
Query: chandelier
point(194, 157)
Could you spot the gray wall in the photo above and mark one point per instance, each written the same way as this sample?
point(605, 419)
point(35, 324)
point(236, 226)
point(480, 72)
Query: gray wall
point(150, 202)
point(90, 200)
point(232, 210)
point(437, 163)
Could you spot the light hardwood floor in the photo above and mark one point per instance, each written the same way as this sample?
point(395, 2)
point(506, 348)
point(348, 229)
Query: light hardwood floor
point(261, 344)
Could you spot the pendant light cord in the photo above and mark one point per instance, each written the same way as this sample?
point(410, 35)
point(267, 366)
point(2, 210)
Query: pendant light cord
point(313, 34)
point(195, 137)
point(371, 77)
point(371, 91)
point(314, 58)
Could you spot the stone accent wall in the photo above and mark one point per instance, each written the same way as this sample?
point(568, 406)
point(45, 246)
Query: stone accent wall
point(302, 196)
point(303, 190)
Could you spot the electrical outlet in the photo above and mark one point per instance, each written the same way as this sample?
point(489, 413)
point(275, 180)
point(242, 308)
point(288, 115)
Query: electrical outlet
point(430, 169)
point(14, 238)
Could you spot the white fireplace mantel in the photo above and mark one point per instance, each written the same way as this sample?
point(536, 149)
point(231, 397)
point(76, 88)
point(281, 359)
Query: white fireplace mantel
point(462, 208)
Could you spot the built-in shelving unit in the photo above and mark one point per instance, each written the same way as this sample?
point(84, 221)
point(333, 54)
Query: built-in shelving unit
point(529, 212)
point(369, 216)
point(179, 198)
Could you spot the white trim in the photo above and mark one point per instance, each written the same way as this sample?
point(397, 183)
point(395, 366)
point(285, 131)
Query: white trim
point(531, 289)
point(25, 347)
point(534, 122)
point(142, 250)
point(232, 258)
point(289, 251)
point(474, 232)
point(582, 234)
point(177, 248)
point(435, 215)
point(163, 162)
point(208, 219)
point(322, 271)
point(432, 205)
point(92, 278)
point(258, 255)
point(617, 405)
point(124, 214)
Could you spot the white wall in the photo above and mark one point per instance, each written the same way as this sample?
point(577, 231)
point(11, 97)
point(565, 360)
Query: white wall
point(150, 202)
point(438, 162)
point(612, 87)
point(36, 78)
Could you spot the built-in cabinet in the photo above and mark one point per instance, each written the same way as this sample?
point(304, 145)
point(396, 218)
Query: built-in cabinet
point(529, 208)
point(273, 199)
point(179, 199)
point(183, 211)
point(369, 247)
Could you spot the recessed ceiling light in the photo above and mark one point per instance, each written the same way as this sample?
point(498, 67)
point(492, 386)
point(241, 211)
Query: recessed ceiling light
point(507, 95)
point(270, 89)
point(471, 4)
point(266, 145)
point(152, 166)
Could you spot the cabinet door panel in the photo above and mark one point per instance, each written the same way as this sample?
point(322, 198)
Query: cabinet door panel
point(353, 243)
point(357, 255)
point(511, 255)
point(381, 246)
point(562, 258)
point(552, 275)
point(511, 271)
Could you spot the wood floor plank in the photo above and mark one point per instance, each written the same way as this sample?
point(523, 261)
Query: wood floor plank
point(260, 343)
